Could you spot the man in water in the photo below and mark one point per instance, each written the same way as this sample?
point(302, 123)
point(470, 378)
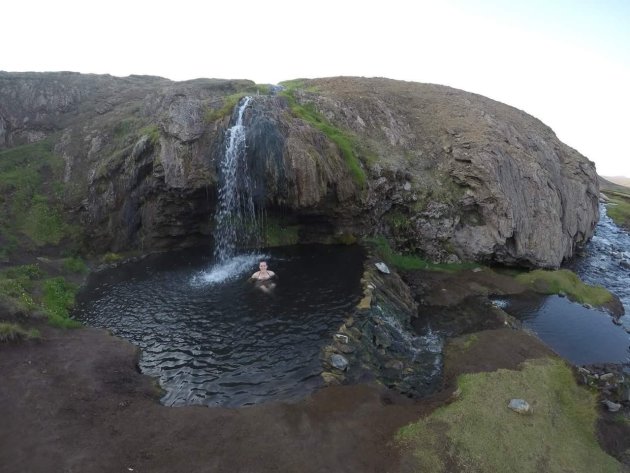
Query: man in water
point(263, 274)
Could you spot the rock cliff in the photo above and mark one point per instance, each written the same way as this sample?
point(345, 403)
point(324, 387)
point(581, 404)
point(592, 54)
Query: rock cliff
point(439, 171)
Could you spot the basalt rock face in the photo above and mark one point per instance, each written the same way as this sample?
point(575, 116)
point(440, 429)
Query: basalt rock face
point(455, 175)
point(138, 151)
point(448, 174)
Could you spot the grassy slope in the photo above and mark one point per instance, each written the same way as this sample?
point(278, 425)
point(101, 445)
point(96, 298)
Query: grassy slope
point(478, 433)
point(619, 207)
point(31, 189)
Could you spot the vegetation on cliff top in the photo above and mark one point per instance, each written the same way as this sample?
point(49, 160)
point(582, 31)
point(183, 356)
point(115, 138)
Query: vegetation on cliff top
point(479, 433)
point(346, 143)
point(567, 282)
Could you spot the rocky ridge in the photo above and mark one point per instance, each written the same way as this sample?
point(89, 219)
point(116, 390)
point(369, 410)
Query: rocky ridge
point(447, 174)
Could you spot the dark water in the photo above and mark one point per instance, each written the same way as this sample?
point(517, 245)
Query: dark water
point(581, 335)
point(217, 341)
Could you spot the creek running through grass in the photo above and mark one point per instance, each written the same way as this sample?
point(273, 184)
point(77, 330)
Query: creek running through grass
point(212, 337)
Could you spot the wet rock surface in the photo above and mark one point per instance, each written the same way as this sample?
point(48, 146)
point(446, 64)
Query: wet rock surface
point(447, 173)
point(377, 340)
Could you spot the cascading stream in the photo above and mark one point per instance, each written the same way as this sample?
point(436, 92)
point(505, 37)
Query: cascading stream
point(236, 224)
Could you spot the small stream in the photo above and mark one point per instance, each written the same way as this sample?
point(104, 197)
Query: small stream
point(212, 337)
point(579, 334)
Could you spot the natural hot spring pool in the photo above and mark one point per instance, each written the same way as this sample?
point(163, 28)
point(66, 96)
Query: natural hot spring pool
point(227, 342)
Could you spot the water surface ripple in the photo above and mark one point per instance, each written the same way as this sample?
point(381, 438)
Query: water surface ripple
point(228, 343)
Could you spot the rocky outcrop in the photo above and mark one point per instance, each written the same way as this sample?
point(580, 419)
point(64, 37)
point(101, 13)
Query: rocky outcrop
point(440, 172)
point(459, 176)
point(376, 340)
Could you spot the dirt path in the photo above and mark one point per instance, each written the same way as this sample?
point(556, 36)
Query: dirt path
point(74, 402)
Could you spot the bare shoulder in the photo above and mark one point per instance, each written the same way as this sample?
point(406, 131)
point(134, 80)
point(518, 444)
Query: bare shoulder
point(255, 275)
point(271, 273)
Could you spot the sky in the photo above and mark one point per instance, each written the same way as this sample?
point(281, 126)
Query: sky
point(567, 62)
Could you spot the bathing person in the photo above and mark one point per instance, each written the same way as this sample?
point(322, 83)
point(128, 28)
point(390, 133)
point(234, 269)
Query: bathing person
point(263, 274)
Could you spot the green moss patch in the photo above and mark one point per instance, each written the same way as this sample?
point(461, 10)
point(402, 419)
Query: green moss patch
point(229, 102)
point(567, 282)
point(17, 285)
point(279, 233)
point(24, 289)
point(343, 140)
point(14, 332)
point(478, 432)
point(31, 190)
point(75, 265)
point(58, 299)
point(412, 262)
point(109, 258)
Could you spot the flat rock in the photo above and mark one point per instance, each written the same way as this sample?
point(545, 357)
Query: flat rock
point(612, 406)
point(339, 361)
point(520, 405)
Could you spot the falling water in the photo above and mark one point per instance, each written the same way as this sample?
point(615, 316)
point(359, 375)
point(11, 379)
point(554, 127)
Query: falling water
point(236, 224)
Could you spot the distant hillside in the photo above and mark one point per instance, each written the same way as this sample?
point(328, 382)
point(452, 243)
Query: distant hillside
point(606, 184)
point(621, 180)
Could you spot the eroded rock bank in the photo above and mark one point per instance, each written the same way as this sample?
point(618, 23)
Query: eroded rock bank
point(438, 171)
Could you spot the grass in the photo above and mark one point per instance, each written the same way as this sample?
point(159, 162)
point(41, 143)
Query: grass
point(412, 262)
point(31, 189)
point(17, 285)
point(153, 132)
point(478, 432)
point(109, 258)
point(58, 299)
point(42, 223)
point(344, 142)
point(13, 332)
point(567, 282)
point(619, 208)
point(229, 102)
point(75, 265)
point(24, 289)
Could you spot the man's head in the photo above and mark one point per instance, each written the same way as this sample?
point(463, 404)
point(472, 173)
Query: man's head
point(262, 266)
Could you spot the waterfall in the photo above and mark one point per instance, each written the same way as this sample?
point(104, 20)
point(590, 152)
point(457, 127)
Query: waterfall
point(236, 224)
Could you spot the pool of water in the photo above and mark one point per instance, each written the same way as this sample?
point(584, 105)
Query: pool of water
point(582, 336)
point(214, 338)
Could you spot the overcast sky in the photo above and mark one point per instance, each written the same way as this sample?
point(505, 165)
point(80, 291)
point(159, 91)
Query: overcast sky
point(567, 62)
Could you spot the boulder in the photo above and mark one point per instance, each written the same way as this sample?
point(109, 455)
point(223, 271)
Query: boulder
point(520, 405)
point(339, 361)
